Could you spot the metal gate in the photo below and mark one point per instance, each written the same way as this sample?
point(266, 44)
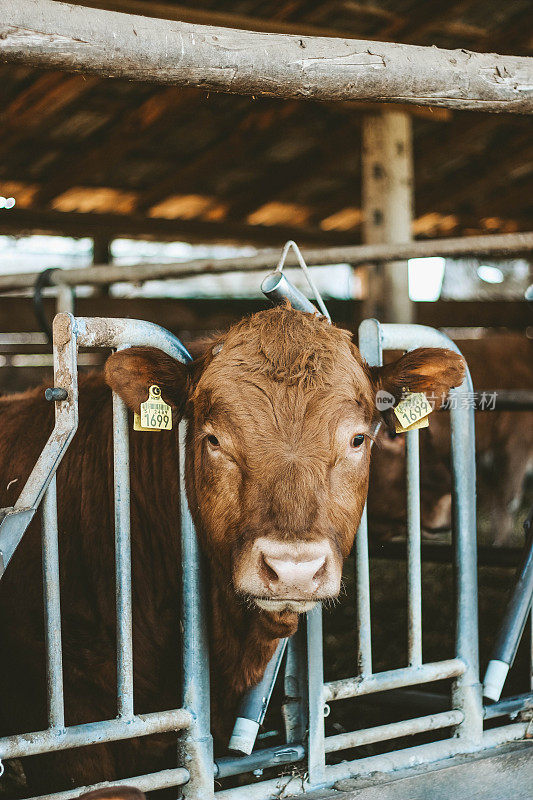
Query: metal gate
point(304, 715)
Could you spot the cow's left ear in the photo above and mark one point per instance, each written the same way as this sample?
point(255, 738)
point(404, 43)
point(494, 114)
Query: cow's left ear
point(131, 372)
point(433, 371)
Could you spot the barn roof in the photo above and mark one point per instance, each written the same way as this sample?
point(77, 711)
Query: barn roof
point(84, 155)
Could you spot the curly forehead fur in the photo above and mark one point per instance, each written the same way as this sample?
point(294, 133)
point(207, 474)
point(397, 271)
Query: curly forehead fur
point(291, 347)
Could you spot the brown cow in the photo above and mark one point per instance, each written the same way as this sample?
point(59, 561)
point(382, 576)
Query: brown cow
point(504, 450)
point(281, 411)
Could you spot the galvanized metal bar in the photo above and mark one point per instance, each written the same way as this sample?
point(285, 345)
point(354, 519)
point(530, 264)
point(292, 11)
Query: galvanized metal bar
point(120, 333)
point(294, 708)
point(509, 706)
point(31, 744)
point(467, 689)
point(261, 759)
point(196, 747)
point(166, 779)
point(531, 648)
point(362, 583)
point(394, 730)
point(254, 705)
point(14, 521)
point(370, 348)
point(393, 679)
point(124, 609)
point(52, 609)
point(387, 763)
point(315, 681)
point(414, 557)
point(513, 622)
point(278, 289)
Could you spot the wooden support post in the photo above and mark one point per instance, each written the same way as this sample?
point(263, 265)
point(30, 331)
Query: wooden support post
point(102, 257)
point(387, 189)
point(101, 250)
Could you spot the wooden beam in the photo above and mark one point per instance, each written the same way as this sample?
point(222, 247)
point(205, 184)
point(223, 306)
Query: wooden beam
point(502, 245)
point(210, 16)
point(194, 317)
point(73, 223)
point(51, 34)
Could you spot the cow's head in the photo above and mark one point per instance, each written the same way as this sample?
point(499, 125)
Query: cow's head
point(282, 410)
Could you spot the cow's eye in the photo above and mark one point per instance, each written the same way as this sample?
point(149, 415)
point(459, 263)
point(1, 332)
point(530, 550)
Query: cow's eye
point(357, 440)
point(213, 441)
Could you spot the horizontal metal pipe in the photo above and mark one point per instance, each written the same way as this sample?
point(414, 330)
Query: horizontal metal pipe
point(386, 762)
point(165, 779)
point(393, 679)
point(505, 244)
point(509, 706)
point(434, 703)
point(394, 730)
point(261, 759)
point(489, 556)
point(31, 744)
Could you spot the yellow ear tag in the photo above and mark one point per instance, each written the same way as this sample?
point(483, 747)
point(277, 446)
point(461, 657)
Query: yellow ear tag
point(412, 412)
point(155, 414)
point(422, 423)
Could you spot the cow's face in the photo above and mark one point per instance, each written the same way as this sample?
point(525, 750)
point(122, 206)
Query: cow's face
point(282, 410)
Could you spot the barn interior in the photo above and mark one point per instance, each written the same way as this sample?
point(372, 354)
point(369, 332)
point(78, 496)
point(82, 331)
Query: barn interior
point(101, 173)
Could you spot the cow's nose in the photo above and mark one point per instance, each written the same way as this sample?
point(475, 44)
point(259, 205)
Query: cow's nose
point(296, 570)
point(287, 576)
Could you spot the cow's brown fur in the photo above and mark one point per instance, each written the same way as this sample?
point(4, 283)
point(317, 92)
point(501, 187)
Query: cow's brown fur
point(284, 393)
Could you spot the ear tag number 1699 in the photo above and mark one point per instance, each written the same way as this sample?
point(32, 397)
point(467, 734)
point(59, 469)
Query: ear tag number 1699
point(155, 414)
point(412, 412)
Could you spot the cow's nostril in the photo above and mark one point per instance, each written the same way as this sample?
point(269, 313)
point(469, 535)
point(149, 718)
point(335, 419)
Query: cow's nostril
point(321, 571)
point(269, 573)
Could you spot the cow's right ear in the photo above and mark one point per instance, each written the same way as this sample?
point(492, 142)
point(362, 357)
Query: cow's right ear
point(131, 372)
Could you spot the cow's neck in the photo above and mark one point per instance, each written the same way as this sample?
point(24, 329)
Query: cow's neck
point(243, 641)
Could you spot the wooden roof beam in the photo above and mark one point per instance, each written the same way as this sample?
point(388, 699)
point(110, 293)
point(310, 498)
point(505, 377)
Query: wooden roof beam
point(51, 34)
point(74, 223)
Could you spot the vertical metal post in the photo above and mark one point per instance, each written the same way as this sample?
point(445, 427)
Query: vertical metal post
point(362, 583)
point(52, 608)
point(531, 648)
point(196, 745)
point(370, 346)
point(121, 472)
point(315, 683)
point(294, 708)
point(467, 688)
point(414, 561)
point(66, 298)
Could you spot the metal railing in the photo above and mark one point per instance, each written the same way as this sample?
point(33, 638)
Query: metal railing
point(306, 692)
